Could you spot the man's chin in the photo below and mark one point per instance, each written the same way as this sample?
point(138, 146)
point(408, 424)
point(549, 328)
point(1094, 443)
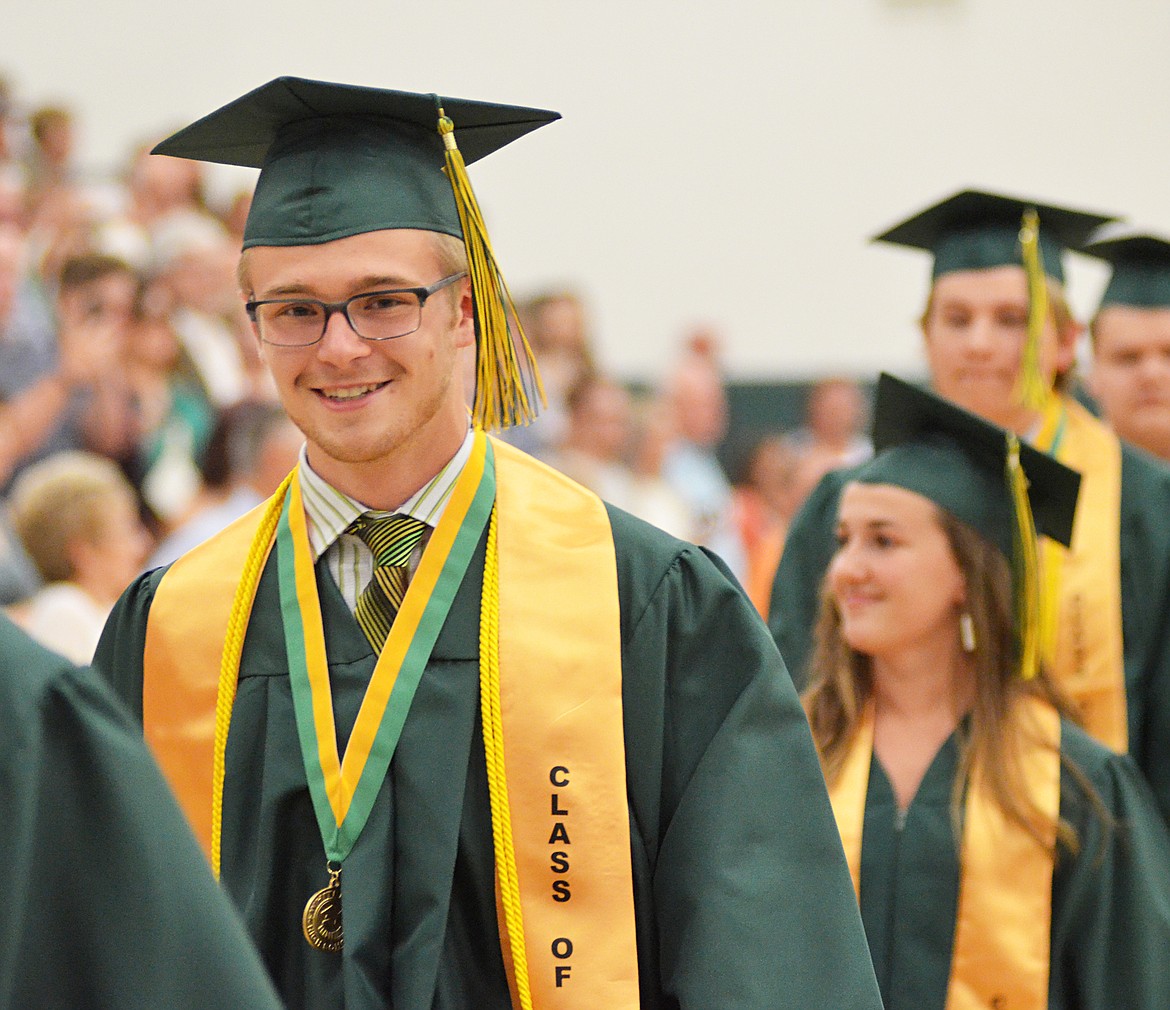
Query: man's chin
point(986, 399)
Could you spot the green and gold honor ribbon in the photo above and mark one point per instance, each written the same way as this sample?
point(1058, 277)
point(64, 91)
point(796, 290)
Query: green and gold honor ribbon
point(1084, 645)
point(344, 789)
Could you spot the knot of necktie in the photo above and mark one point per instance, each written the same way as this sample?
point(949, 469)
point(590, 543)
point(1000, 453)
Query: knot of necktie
point(391, 539)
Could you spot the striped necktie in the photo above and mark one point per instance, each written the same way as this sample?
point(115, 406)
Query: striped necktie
point(391, 539)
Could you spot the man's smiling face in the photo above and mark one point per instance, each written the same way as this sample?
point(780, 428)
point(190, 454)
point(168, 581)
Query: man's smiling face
point(362, 403)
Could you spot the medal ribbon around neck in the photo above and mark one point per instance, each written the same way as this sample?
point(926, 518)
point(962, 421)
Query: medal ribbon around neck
point(344, 789)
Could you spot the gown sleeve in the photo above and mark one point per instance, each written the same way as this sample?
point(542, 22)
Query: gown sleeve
point(752, 901)
point(796, 591)
point(1145, 600)
point(1111, 900)
point(118, 657)
point(109, 902)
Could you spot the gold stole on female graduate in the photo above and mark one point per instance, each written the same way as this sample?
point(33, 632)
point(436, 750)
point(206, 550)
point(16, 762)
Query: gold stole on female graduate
point(563, 846)
point(1083, 639)
point(1003, 932)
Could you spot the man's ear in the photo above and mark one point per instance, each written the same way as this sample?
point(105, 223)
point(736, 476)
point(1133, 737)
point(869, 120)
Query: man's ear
point(465, 321)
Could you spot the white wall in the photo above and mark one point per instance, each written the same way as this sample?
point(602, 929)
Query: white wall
point(720, 166)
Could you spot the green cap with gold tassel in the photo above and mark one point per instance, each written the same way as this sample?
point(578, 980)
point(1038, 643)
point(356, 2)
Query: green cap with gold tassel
point(975, 230)
point(984, 476)
point(338, 160)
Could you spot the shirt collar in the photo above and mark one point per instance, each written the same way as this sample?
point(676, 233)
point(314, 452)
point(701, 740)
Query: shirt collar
point(329, 512)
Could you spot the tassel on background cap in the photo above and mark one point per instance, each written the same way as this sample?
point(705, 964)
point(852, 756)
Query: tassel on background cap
point(508, 390)
point(1032, 390)
point(1025, 563)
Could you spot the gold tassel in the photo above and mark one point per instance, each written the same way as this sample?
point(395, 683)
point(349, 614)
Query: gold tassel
point(1032, 391)
point(1025, 564)
point(508, 389)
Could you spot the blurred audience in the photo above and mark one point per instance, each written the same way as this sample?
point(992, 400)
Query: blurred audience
point(49, 163)
point(253, 448)
point(173, 416)
point(196, 260)
point(766, 497)
point(594, 448)
point(697, 402)
point(833, 432)
point(72, 395)
point(653, 498)
point(76, 516)
point(557, 329)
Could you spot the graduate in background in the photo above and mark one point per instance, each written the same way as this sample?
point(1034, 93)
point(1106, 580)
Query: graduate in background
point(1000, 341)
point(483, 741)
point(1130, 377)
point(1003, 858)
point(107, 900)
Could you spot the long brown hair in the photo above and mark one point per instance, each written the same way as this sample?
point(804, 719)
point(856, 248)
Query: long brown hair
point(841, 685)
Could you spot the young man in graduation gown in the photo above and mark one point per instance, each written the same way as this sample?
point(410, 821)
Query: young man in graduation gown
point(1130, 377)
point(992, 298)
point(107, 899)
point(455, 732)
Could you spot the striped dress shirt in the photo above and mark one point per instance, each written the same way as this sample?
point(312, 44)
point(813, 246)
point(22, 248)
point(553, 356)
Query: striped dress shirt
point(329, 513)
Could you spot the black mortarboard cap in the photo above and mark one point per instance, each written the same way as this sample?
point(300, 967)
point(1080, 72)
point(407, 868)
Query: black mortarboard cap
point(338, 160)
point(1141, 265)
point(973, 230)
point(959, 461)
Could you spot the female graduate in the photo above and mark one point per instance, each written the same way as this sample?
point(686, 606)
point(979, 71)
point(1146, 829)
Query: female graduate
point(1002, 858)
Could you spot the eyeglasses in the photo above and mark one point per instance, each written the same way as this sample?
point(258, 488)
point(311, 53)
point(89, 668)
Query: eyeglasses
point(372, 315)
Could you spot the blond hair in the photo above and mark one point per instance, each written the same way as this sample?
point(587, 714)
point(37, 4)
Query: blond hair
point(60, 500)
point(449, 250)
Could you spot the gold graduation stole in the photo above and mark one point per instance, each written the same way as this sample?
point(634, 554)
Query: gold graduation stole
point(1084, 650)
point(1003, 932)
point(552, 720)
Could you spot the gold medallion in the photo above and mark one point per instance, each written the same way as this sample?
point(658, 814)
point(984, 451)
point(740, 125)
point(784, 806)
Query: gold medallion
point(322, 916)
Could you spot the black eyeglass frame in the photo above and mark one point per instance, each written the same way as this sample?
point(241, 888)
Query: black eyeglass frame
point(329, 308)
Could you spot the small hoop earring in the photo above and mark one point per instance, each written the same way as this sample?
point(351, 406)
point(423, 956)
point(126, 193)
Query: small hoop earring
point(967, 632)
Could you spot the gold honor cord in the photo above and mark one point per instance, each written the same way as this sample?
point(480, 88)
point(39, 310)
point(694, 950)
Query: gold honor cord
point(233, 649)
point(1033, 391)
point(508, 388)
point(493, 743)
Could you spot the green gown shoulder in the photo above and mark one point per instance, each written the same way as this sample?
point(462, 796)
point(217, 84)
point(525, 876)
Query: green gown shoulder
point(109, 902)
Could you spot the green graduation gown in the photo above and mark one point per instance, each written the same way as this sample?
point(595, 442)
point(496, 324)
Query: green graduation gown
point(1110, 901)
point(742, 897)
point(108, 901)
point(1145, 600)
